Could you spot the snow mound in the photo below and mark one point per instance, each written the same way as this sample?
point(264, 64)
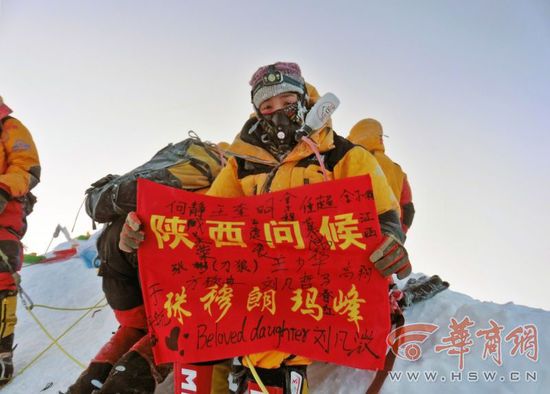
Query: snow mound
point(522, 370)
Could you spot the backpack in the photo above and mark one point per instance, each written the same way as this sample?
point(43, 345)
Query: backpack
point(190, 164)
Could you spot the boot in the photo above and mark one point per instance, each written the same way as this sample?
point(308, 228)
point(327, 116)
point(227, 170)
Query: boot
point(97, 372)
point(8, 306)
point(6, 368)
point(136, 371)
point(91, 379)
point(131, 374)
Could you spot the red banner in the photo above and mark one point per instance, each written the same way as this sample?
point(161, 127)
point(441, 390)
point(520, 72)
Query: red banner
point(289, 270)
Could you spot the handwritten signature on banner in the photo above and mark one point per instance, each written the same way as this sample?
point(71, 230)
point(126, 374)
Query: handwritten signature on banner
point(286, 270)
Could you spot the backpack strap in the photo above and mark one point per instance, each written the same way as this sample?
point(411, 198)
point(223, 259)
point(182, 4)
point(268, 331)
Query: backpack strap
point(341, 147)
point(333, 156)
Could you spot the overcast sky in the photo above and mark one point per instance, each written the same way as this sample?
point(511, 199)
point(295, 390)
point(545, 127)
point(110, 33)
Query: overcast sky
point(461, 88)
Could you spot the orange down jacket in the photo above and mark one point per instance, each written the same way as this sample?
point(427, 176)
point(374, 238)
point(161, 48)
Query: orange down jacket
point(19, 162)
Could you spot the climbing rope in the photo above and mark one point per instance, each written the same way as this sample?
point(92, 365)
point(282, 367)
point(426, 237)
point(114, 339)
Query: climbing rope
point(55, 341)
point(58, 308)
point(29, 305)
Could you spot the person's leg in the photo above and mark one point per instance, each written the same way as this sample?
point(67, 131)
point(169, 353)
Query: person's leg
point(9, 264)
point(122, 291)
point(95, 375)
point(135, 371)
point(8, 319)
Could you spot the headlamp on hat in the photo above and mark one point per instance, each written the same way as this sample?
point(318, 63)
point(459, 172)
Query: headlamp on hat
point(274, 77)
point(269, 81)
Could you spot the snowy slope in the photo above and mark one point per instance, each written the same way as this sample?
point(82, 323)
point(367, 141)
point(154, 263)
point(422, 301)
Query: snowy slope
point(42, 366)
point(63, 284)
point(516, 374)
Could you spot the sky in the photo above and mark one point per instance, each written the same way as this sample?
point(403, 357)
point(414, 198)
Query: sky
point(461, 88)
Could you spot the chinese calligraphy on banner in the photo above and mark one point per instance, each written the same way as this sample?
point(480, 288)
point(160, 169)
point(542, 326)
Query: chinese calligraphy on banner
point(224, 277)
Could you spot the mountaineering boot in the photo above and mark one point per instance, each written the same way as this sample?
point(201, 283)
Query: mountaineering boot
point(131, 374)
point(8, 306)
point(92, 378)
point(97, 372)
point(6, 368)
point(136, 371)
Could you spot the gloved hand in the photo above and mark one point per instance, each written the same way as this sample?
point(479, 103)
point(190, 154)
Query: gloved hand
point(4, 199)
point(391, 258)
point(131, 236)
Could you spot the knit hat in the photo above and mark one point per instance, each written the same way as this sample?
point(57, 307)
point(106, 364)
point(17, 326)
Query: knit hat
point(269, 81)
point(4, 109)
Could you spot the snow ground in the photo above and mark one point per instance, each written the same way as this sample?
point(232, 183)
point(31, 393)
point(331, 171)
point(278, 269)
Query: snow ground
point(41, 367)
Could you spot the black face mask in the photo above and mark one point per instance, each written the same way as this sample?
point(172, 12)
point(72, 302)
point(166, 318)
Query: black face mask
point(279, 129)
